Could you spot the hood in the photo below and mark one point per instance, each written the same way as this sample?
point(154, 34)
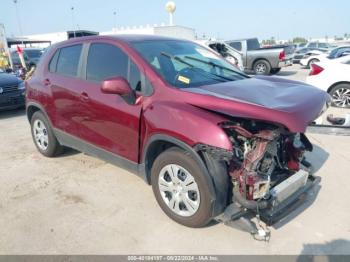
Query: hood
point(8, 80)
point(290, 103)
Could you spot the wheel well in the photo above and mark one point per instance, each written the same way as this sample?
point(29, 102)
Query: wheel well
point(30, 111)
point(153, 151)
point(336, 84)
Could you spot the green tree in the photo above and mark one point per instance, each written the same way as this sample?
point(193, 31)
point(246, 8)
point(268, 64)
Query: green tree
point(297, 40)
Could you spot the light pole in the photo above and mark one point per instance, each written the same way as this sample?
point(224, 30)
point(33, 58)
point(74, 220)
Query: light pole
point(114, 20)
point(72, 9)
point(18, 19)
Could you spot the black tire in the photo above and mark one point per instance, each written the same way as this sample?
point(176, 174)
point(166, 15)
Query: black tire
point(338, 89)
point(53, 146)
point(275, 70)
point(314, 60)
point(262, 67)
point(184, 159)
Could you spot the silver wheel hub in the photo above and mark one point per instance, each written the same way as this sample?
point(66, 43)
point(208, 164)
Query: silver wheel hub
point(179, 190)
point(40, 134)
point(260, 68)
point(341, 97)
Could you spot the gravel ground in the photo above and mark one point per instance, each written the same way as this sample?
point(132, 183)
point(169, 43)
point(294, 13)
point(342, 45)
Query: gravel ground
point(75, 204)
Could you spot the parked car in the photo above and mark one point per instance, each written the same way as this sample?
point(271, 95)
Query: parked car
point(318, 45)
point(333, 76)
point(310, 58)
point(230, 54)
point(300, 45)
point(181, 117)
point(299, 54)
point(12, 91)
point(31, 57)
point(263, 61)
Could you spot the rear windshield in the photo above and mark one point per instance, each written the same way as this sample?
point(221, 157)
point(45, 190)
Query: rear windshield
point(253, 44)
point(185, 64)
point(34, 53)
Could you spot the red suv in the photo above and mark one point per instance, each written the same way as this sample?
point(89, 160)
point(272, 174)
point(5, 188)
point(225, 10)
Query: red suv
point(212, 141)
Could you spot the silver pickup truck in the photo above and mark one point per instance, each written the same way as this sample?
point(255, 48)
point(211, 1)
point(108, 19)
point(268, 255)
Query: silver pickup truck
point(263, 61)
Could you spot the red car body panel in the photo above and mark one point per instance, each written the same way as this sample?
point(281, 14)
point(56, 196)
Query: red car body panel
point(108, 122)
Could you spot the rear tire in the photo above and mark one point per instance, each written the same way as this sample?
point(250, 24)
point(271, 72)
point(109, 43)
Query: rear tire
point(43, 136)
point(183, 181)
point(262, 67)
point(341, 95)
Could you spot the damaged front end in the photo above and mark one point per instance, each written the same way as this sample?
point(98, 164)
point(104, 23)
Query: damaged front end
point(268, 170)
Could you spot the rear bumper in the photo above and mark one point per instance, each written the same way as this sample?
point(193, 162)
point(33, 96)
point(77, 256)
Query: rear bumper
point(285, 63)
point(12, 100)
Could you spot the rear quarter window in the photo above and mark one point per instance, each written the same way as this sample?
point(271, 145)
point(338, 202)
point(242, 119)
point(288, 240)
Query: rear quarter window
point(68, 60)
point(53, 62)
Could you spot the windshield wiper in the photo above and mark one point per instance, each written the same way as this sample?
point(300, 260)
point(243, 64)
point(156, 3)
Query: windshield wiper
point(213, 65)
point(176, 58)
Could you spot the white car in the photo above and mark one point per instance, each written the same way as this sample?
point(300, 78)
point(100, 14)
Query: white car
point(318, 56)
point(230, 54)
point(333, 76)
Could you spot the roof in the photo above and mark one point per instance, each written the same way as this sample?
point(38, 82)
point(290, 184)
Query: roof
point(128, 38)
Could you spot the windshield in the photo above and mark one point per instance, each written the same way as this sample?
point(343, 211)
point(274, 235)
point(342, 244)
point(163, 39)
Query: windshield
point(185, 64)
point(35, 53)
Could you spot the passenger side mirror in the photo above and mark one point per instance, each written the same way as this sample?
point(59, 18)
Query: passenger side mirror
point(116, 85)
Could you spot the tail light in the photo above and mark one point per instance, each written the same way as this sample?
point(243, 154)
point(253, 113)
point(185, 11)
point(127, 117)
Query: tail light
point(315, 70)
point(282, 55)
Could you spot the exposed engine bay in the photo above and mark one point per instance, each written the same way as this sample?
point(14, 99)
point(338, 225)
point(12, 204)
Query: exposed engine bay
point(267, 166)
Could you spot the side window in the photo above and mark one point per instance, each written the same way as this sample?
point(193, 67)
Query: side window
point(104, 61)
point(236, 45)
point(68, 60)
point(134, 77)
point(322, 45)
point(53, 62)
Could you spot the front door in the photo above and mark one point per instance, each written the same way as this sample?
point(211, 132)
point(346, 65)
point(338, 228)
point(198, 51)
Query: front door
point(110, 121)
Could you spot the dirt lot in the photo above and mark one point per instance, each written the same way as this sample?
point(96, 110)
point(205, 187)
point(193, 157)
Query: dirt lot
point(76, 204)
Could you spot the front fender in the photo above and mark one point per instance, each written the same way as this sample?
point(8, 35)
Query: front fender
point(186, 123)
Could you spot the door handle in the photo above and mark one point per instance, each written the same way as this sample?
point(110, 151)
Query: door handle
point(46, 82)
point(84, 97)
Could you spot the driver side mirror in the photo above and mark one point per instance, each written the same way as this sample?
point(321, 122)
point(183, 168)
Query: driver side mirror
point(116, 85)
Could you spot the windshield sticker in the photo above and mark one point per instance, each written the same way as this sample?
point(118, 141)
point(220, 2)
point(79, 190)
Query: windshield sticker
point(184, 79)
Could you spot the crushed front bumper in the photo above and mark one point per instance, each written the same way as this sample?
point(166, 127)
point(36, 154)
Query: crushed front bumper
point(286, 197)
point(280, 210)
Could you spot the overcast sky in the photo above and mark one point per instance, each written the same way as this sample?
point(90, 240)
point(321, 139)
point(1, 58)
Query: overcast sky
point(224, 18)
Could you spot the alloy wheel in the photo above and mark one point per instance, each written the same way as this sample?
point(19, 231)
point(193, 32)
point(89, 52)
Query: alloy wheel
point(40, 134)
point(179, 190)
point(260, 68)
point(341, 97)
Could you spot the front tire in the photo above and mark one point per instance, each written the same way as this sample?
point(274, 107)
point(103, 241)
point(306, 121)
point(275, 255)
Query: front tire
point(262, 67)
point(341, 95)
point(43, 136)
point(181, 189)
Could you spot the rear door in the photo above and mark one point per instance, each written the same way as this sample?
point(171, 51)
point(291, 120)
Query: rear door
point(63, 79)
point(110, 121)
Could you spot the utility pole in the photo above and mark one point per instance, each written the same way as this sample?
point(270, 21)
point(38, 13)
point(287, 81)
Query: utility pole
point(73, 23)
point(114, 20)
point(18, 18)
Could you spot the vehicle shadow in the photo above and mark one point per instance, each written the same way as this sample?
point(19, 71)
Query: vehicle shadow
point(68, 152)
point(286, 73)
point(335, 250)
point(12, 113)
point(317, 158)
